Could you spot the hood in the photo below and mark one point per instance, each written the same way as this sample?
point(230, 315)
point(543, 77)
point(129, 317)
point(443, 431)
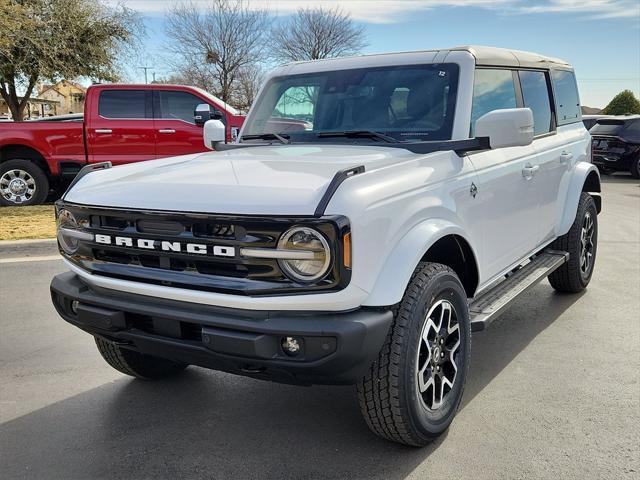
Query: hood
point(269, 180)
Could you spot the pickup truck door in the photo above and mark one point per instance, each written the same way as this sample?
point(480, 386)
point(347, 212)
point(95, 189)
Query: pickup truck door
point(177, 133)
point(507, 202)
point(120, 127)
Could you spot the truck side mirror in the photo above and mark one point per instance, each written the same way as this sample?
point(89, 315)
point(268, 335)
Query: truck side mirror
point(204, 113)
point(214, 132)
point(511, 127)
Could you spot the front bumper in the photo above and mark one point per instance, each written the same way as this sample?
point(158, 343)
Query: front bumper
point(337, 347)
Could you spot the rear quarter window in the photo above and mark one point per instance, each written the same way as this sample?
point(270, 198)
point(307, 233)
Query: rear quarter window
point(608, 127)
point(567, 100)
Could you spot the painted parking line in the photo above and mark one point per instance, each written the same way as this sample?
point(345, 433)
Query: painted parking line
point(43, 258)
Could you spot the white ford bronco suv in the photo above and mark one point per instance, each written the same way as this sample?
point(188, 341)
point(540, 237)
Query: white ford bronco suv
point(373, 213)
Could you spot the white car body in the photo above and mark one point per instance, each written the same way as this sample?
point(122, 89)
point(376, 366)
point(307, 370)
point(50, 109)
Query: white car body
point(398, 208)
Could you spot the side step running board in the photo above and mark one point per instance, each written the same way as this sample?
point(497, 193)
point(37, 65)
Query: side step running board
point(490, 304)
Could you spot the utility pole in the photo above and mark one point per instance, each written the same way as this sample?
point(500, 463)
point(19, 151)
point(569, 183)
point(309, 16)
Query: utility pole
point(145, 73)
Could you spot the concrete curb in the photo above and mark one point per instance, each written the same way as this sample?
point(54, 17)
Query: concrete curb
point(23, 249)
point(16, 243)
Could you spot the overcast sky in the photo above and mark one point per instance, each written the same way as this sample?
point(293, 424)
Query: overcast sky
point(601, 38)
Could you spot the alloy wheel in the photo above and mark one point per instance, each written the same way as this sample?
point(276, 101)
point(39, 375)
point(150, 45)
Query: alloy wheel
point(17, 186)
point(586, 244)
point(438, 354)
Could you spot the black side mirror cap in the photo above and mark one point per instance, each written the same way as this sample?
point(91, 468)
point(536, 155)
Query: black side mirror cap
point(205, 112)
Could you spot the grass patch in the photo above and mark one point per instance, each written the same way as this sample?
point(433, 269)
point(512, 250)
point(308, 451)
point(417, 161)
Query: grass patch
point(20, 223)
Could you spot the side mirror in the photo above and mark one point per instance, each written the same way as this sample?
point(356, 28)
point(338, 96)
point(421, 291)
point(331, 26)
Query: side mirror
point(214, 132)
point(511, 127)
point(204, 113)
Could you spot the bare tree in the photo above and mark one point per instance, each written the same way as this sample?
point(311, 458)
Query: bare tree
point(316, 33)
point(248, 84)
point(212, 46)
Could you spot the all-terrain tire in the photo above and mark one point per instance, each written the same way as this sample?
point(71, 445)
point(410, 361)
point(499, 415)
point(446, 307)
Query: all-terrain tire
point(389, 394)
point(136, 364)
point(36, 183)
point(573, 277)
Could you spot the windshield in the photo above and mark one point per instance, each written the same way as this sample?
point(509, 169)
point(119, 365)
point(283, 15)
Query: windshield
point(412, 102)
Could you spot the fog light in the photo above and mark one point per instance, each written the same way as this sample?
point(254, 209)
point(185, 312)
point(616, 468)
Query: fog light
point(74, 306)
point(291, 345)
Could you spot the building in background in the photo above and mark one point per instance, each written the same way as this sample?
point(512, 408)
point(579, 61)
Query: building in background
point(36, 108)
point(68, 97)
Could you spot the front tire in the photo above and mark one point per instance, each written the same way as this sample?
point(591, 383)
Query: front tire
point(581, 241)
point(413, 390)
point(137, 364)
point(22, 183)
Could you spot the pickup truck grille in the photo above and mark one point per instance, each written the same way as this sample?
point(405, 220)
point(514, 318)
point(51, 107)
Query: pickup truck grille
point(163, 258)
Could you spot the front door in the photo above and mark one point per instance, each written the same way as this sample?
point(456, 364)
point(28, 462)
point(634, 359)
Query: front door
point(177, 132)
point(122, 131)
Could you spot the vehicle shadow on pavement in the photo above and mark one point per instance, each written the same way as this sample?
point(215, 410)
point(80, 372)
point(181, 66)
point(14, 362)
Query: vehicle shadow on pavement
point(207, 424)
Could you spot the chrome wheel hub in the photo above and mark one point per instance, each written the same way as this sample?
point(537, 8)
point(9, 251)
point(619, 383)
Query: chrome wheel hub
point(17, 186)
point(438, 354)
point(586, 244)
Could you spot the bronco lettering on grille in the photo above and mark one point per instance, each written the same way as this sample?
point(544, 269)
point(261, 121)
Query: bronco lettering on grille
point(166, 246)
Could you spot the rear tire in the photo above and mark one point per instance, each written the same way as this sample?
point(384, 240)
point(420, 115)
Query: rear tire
point(413, 389)
point(635, 168)
point(581, 241)
point(22, 183)
point(136, 364)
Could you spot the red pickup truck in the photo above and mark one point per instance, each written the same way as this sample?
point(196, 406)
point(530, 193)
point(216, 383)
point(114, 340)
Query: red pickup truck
point(121, 124)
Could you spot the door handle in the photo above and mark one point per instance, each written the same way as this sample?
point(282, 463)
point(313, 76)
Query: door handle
point(103, 130)
point(167, 130)
point(529, 171)
point(565, 157)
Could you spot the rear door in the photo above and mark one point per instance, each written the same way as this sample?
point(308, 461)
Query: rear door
point(120, 127)
point(177, 133)
point(507, 193)
point(553, 155)
point(571, 145)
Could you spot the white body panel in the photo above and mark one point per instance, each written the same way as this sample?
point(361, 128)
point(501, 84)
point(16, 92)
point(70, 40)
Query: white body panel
point(400, 206)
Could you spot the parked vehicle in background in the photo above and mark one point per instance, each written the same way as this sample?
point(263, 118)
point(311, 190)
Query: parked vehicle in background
point(121, 124)
point(616, 145)
point(590, 120)
point(425, 192)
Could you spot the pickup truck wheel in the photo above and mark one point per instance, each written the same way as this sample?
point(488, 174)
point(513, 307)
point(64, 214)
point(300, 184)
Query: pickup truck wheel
point(412, 391)
point(22, 183)
point(137, 364)
point(581, 241)
point(635, 168)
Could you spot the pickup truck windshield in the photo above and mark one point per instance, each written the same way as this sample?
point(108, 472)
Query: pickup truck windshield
point(412, 102)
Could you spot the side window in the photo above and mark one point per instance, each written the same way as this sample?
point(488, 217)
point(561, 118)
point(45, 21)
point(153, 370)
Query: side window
point(536, 97)
point(298, 103)
point(178, 105)
point(492, 90)
point(566, 95)
point(122, 104)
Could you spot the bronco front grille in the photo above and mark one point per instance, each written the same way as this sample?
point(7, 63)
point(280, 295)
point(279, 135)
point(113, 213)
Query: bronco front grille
point(229, 273)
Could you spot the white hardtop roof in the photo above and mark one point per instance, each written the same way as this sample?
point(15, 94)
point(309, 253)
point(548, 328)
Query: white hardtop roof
point(484, 56)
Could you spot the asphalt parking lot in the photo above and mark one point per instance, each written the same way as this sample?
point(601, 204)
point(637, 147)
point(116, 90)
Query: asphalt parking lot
point(553, 393)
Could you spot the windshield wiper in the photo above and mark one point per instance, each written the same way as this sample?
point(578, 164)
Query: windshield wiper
point(266, 136)
point(359, 133)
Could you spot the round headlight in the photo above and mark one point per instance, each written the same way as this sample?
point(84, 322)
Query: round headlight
point(311, 243)
point(66, 221)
